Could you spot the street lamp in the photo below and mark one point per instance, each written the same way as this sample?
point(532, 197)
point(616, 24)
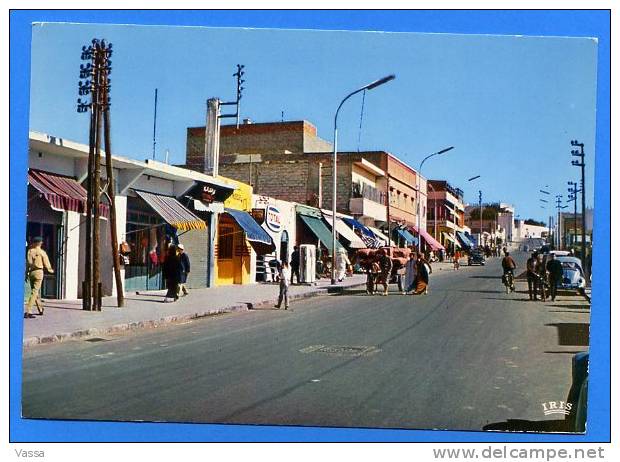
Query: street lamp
point(438, 153)
point(370, 86)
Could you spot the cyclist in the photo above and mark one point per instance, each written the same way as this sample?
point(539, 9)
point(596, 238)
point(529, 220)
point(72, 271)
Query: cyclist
point(508, 265)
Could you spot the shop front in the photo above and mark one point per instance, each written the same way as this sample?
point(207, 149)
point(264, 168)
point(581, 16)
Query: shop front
point(238, 234)
point(154, 222)
point(56, 204)
point(277, 218)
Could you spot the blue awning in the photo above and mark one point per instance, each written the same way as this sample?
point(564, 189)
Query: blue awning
point(409, 238)
point(322, 233)
point(354, 224)
point(257, 236)
point(465, 242)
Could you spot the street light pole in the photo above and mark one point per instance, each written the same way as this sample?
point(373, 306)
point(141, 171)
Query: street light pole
point(480, 204)
point(370, 86)
point(419, 174)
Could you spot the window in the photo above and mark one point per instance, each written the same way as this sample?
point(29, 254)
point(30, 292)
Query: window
point(225, 243)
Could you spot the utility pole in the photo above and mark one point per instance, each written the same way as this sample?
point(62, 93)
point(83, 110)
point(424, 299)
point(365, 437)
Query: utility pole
point(572, 189)
point(96, 83)
point(155, 125)
point(581, 163)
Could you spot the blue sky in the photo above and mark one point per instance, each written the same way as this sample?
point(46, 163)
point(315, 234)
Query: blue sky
point(509, 105)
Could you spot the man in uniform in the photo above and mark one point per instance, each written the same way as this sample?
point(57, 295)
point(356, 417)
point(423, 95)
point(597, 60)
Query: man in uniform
point(36, 262)
point(531, 276)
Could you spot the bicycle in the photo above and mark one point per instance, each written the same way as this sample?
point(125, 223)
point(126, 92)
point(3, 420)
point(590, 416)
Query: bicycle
point(509, 282)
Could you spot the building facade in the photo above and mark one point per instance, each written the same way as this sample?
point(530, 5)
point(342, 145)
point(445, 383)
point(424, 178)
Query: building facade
point(156, 204)
point(288, 161)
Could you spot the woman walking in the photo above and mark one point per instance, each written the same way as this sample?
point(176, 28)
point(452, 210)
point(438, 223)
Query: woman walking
point(342, 262)
point(421, 280)
point(172, 273)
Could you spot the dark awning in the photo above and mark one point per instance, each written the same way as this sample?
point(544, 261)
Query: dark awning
point(259, 239)
point(172, 211)
point(62, 192)
point(353, 223)
point(319, 229)
point(464, 240)
point(409, 238)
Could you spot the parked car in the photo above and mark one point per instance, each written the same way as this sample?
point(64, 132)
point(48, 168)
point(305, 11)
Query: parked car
point(573, 277)
point(476, 257)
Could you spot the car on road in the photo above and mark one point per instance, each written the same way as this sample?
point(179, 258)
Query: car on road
point(573, 277)
point(476, 257)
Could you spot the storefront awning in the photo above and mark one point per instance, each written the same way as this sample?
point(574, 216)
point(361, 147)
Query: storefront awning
point(319, 229)
point(379, 235)
point(172, 211)
point(464, 240)
point(409, 238)
point(62, 192)
point(354, 224)
point(430, 240)
point(257, 236)
point(450, 237)
point(355, 242)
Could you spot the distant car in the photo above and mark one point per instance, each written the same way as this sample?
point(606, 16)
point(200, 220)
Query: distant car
point(476, 257)
point(573, 277)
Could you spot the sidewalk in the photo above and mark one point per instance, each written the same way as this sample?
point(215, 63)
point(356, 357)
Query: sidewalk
point(65, 320)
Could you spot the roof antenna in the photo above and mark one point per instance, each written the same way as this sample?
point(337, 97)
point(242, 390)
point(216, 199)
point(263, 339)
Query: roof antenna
point(282, 117)
point(155, 124)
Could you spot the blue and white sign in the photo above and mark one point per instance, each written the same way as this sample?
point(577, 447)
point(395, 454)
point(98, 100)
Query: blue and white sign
point(273, 219)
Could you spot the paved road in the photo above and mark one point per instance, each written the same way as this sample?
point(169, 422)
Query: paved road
point(465, 356)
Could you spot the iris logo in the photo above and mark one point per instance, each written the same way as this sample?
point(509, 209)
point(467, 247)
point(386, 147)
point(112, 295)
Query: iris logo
point(557, 407)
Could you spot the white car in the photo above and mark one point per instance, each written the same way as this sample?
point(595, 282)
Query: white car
point(573, 277)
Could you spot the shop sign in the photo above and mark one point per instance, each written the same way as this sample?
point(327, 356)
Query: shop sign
point(273, 219)
point(207, 194)
point(258, 215)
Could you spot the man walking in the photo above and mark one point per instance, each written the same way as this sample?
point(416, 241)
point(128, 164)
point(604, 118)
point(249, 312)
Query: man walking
point(385, 263)
point(285, 277)
point(185, 268)
point(295, 264)
point(554, 268)
point(541, 279)
point(531, 276)
point(36, 262)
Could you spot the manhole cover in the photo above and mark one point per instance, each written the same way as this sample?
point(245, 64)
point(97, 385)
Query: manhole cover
point(97, 339)
point(341, 350)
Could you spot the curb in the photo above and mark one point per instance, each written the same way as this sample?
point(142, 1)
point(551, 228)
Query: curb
point(83, 334)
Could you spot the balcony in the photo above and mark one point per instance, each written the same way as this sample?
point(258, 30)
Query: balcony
point(366, 208)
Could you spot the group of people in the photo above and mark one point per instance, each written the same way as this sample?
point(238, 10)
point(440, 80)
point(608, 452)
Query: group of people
point(176, 268)
point(543, 277)
point(412, 278)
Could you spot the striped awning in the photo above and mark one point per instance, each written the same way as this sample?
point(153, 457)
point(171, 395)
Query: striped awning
point(430, 240)
point(62, 192)
point(172, 211)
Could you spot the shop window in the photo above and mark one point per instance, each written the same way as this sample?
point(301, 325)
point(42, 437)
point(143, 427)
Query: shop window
point(225, 243)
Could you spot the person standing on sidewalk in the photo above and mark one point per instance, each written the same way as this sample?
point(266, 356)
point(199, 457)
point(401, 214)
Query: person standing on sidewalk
point(172, 273)
point(456, 258)
point(37, 262)
point(285, 277)
point(184, 270)
point(342, 262)
point(295, 264)
point(541, 279)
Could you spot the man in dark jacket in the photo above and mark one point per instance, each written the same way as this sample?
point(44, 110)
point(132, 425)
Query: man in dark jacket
point(531, 276)
point(554, 268)
point(295, 264)
point(184, 268)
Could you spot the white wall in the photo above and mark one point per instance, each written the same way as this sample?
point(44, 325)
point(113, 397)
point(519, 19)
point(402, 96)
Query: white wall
point(51, 163)
point(72, 255)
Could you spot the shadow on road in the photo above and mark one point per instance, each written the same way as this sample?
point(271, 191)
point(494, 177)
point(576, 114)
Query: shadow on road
point(508, 299)
point(572, 334)
point(572, 307)
point(483, 291)
point(485, 277)
point(515, 425)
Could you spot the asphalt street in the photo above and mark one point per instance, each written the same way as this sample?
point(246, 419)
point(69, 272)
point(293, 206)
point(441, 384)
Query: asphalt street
point(465, 356)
